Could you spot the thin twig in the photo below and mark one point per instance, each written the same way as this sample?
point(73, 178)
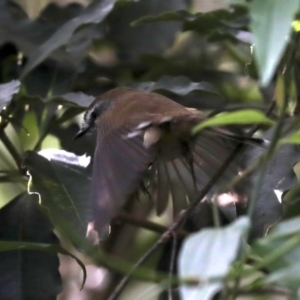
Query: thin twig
point(172, 264)
point(268, 290)
point(129, 219)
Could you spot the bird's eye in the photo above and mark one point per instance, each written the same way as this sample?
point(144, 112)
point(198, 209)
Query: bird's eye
point(93, 114)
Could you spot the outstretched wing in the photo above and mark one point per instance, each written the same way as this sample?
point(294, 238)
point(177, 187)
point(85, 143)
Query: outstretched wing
point(119, 166)
point(184, 175)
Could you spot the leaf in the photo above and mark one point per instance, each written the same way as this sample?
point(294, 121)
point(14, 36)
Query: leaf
point(94, 13)
point(222, 21)
point(271, 24)
point(76, 99)
point(278, 179)
point(292, 139)
point(280, 248)
point(23, 222)
point(286, 228)
point(64, 187)
point(245, 116)
point(289, 276)
point(17, 246)
point(178, 85)
point(7, 90)
point(62, 156)
point(208, 254)
point(155, 38)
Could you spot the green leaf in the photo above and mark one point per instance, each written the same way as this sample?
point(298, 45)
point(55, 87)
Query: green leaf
point(94, 13)
point(285, 228)
point(246, 116)
point(289, 276)
point(271, 24)
point(280, 248)
point(207, 255)
point(292, 139)
point(7, 90)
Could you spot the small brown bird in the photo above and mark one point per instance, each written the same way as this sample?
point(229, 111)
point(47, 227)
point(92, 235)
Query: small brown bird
point(144, 141)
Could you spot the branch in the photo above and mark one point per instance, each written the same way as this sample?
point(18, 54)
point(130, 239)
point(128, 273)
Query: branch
point(123, 217)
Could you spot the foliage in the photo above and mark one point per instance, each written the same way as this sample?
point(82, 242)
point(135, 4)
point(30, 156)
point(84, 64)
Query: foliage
point(239, 62)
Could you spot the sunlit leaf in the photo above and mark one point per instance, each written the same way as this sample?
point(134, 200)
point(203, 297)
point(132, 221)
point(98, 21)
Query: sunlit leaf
point(292, 139)
point(207, 255)
point(7, 90)
point(271, 24)
point(246, 116)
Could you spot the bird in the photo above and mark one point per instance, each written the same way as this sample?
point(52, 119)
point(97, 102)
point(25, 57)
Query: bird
point(144, 142)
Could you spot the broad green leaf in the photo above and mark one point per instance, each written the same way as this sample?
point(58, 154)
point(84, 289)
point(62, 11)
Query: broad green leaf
point(271, 24)
point(7, 90)
point(207, 255)
point(246, 116)
point(94, 13)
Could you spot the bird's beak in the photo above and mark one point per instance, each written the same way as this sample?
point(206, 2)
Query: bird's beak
point(81, 132)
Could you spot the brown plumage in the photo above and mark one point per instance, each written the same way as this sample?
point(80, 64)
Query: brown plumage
point(144, 139)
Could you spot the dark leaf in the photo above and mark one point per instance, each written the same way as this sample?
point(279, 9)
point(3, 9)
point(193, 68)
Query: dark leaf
point(178, 85)
point(222, 20)
point(279, 178)
point(149, 38)
point(23, 222)
point(77, 99)
point(63, 186)
point(70, 100)
point(94, 13)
